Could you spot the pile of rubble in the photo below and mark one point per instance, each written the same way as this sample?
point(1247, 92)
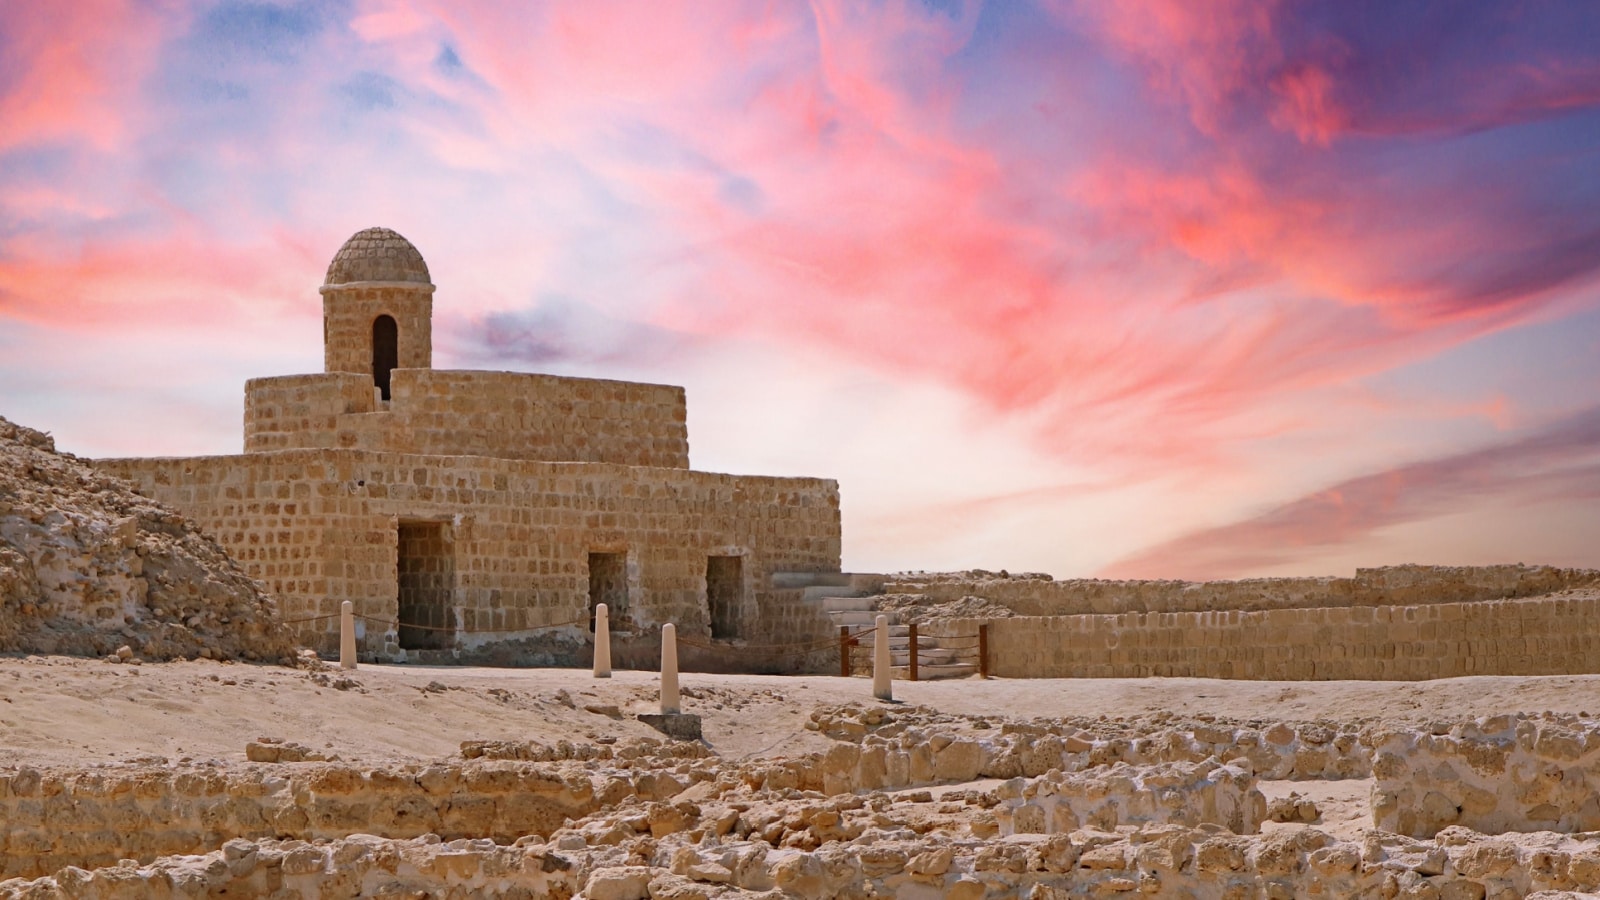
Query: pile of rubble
point(906, 802)
point(90, 568)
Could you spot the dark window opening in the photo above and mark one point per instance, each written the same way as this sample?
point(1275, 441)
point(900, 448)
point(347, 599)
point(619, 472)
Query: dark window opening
point(385, 351)
point(426, 575)
point(608, 584)
point(724, 594)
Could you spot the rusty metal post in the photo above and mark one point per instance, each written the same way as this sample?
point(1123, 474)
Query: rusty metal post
point(844, 651)
point(913, 657)
point(983, 650)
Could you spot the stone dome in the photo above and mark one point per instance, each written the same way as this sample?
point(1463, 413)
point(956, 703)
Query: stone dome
point(377, 254)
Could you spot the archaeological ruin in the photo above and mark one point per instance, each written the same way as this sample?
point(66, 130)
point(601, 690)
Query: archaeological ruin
point(474, 515)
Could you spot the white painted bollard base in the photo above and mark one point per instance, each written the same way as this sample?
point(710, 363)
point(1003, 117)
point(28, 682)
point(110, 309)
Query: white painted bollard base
point(880, 660)
point(602, 641)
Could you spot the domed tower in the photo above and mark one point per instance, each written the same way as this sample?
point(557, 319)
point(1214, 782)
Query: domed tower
point(377, 308)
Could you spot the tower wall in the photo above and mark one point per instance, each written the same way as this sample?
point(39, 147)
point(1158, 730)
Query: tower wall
point(509, 415)
point(348, 311)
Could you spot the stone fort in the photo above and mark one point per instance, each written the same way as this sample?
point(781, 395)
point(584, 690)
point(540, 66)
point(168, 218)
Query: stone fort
point(483, 515)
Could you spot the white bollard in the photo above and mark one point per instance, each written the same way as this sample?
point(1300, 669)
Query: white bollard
point(669, 670)
point(347, 635)
point(880, 660)
point(602, 641)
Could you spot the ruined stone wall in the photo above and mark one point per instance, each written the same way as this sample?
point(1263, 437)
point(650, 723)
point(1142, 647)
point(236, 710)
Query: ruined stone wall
point(320, 526)
point(1540, 636)
point(1506, 773)
point(509, 415)
point(1163, 861)
point(1387, 586)
point(97, 817)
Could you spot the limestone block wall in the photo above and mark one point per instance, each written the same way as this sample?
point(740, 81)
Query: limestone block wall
point(1189, 794)
point(1506, 773)
point(92, 818)
point(347, 314)
point(1539, 636)
point(1387, 586)
point(915, 755)
point(1164, 861)
point(321, 526)
point(509, 415)
point(302, 410)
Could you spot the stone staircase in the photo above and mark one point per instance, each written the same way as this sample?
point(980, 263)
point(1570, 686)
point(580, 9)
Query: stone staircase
point(855, 607)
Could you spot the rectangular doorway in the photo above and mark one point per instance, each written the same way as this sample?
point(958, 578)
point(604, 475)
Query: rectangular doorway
point(725, 594)
point(426, 574)
point(608, 584)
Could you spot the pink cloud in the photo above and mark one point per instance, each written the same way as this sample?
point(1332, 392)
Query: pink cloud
point(1558, 464)
point(76, 69)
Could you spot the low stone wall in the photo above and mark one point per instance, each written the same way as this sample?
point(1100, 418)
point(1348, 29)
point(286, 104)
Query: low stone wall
point(1189, 794)
point(1159, 861)
point(884, 749)
point(1506, 773)
point(97, 817)
point(1034, 595)
point(1540, 636)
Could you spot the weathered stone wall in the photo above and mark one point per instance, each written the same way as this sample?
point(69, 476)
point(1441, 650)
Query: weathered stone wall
point(716, 857)
point(320, 526)
point(347, 315)
point(1506, 773)
point(1032, 595)
point(896, 750)
point(1540, 636)
point(97, 817)
point(510, 415)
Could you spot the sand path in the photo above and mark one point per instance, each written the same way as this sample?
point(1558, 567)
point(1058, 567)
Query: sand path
point(62, 711)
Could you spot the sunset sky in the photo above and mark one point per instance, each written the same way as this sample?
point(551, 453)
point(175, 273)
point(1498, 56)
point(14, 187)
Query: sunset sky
point(1153, 288)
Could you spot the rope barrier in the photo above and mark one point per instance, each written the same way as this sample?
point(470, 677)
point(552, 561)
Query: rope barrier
point(310, 619)
point(804, 648)
point(391, 623)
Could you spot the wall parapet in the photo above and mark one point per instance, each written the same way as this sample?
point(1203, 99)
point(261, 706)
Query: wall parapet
point(1537, 636)
point(506, 415)
point(1411, 585)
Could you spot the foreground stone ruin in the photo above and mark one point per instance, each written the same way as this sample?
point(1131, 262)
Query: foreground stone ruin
point(905, 802)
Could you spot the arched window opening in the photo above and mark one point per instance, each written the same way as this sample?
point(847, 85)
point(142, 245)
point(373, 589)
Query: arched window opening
point(385, 351)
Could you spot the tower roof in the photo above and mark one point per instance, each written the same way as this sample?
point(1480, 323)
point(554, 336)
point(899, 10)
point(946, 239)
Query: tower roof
point(377, 254)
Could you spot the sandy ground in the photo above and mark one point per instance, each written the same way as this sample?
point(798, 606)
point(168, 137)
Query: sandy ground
point(62, 711)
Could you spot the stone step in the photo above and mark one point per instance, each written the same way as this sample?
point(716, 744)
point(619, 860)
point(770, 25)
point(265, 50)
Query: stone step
point(900, 631)
point(846, 604)
point(936, 656)
point(811, 579)
point(863, 619)
point(821, 593)
point(897, 644)
point(934, 672)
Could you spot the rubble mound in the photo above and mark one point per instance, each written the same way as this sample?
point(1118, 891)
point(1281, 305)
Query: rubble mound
point(89, 567)
point(919, 608)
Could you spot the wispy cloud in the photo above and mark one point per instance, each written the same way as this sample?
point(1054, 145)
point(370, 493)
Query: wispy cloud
point(1164, 242)
point(1556, 464)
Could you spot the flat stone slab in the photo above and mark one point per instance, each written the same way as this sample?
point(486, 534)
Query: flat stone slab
point(679, 726)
